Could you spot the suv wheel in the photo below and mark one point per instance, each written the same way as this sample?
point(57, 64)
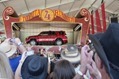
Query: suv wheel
point(33, 42)
point(58, 42)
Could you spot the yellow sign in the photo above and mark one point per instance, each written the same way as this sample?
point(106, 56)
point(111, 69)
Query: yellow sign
point(30, 16)
point(47, 15)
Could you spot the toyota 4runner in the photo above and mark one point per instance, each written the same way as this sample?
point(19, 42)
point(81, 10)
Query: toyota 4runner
point(48, 37)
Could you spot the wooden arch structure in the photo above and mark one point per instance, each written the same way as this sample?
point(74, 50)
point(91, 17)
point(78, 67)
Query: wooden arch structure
point(46, 15)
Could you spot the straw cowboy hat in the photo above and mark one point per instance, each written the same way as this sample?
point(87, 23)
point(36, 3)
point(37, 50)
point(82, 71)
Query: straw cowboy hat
point(8, 49)
point(107, 48)
point(71, 53)
point(35, 67)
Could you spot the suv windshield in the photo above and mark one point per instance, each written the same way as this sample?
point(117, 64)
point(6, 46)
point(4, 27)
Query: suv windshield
point(62, 33)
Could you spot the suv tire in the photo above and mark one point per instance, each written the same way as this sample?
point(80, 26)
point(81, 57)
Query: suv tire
point(58, 42)
point(33, 42)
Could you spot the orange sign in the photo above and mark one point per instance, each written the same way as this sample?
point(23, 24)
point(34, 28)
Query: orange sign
point(30, 16)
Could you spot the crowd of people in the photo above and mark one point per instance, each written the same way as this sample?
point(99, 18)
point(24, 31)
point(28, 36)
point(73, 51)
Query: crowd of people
point(97, 59)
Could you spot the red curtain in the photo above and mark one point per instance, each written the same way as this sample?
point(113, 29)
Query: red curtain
point(98, 23)
point(103, 16)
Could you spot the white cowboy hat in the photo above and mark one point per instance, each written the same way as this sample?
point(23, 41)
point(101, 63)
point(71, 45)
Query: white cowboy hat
point(71, 53)
point(8, 49)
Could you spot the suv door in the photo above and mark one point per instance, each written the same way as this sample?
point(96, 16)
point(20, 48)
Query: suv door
point(52, 36)
point(43, 37)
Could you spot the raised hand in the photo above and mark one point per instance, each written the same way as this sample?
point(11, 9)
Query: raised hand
point(94, 72)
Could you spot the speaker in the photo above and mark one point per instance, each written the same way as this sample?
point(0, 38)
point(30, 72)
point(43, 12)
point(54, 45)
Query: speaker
point(114, 20)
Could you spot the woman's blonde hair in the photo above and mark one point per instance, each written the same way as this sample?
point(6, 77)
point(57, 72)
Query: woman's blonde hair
point(5, 69)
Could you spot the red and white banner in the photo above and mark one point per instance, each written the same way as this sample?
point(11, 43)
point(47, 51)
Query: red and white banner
point(103, 16)
point(98, 22)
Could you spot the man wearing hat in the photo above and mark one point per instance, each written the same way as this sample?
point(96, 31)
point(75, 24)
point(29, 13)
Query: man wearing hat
point(9, 47)
point(106, 54)
point(71, 53)
point(35, 67)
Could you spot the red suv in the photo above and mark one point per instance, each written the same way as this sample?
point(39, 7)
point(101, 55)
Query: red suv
point(48, 37)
